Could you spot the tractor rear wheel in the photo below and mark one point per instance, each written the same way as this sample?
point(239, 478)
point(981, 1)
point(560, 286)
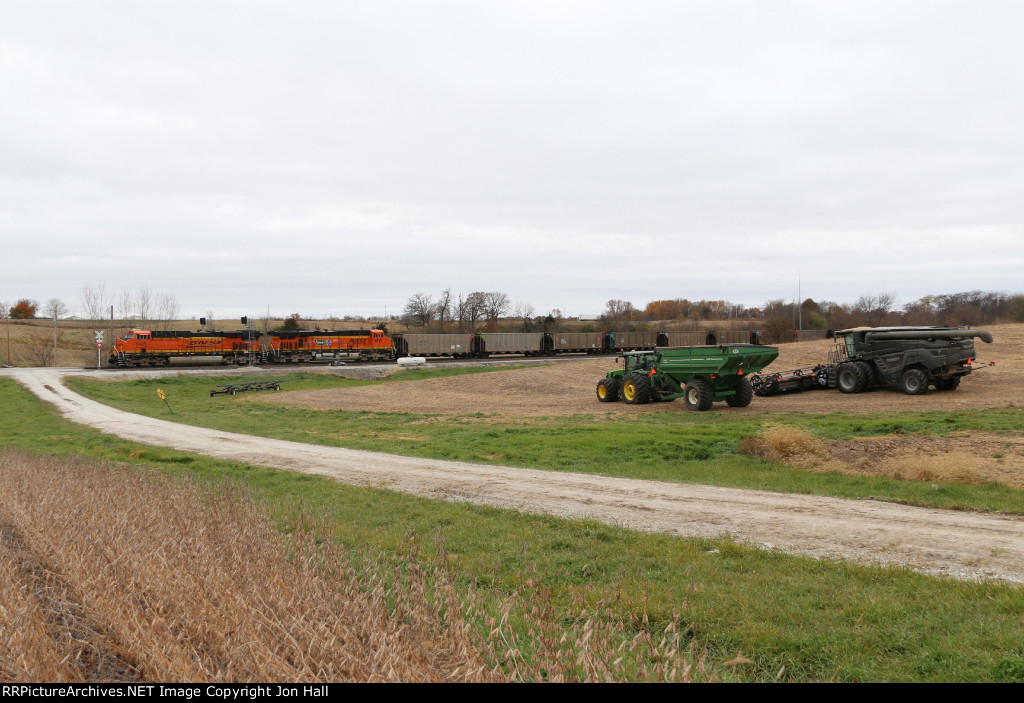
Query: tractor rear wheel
point(850, 378)
point(608, 390)
point(947, 384)
point(744, 394)
point(914, 382)
point(636, 389)
point(698, 394)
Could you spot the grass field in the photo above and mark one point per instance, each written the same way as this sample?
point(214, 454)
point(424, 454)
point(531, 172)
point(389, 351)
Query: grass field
point(682, 447)
point(792, 618)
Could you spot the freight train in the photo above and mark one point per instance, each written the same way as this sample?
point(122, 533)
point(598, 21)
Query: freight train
point(153, 348)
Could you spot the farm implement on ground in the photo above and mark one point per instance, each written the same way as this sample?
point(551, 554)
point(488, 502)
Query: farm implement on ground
point(233, 388)
point(907, 358)
point(700, 375)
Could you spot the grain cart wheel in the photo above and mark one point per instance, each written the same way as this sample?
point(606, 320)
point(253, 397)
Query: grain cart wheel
point(914, 382)
point(850, 378)
point(636, 389)
point(869, 376)
point(744, 394)
point(698, 394)
point(608, 390)
point(947, 384)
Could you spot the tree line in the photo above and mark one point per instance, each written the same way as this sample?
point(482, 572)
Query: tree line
point(141, 304)
point(477, 310)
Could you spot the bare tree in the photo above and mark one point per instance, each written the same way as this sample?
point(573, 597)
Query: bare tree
point(38, 349)
point(473, 310)
point(495, 305)
point(419, 310)
point(167, 306)
point(3, 311)
point(56, 309)
point(143, 303)
point(443, 309)
point(875, 308)
point(524, 311)
point(125, 304)
point(618, 310)
point(94, 299)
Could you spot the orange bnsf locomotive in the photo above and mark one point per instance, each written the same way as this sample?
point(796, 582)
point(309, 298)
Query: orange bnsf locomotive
point(301, 345)
point(154, 347)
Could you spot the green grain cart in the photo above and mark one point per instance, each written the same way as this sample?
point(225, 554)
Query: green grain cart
point(699, 375)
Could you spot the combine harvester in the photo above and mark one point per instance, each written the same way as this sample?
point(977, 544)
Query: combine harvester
point(907, 358)
point(699, 375)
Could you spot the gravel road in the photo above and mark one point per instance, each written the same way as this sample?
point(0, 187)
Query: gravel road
point(964, 545)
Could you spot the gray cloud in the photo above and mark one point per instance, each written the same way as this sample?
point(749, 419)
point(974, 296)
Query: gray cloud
point(338, 157)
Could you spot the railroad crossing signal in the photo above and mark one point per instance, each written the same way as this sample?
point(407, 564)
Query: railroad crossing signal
point(99, 345)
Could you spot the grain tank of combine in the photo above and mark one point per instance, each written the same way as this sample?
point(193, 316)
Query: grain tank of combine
point(700, 375)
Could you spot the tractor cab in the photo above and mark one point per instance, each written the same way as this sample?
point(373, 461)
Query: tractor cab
point(639, 361)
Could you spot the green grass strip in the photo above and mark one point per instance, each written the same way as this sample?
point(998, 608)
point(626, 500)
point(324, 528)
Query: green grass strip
point(676, 447)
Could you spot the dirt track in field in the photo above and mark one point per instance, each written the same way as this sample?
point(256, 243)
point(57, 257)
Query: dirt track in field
point(958, 544)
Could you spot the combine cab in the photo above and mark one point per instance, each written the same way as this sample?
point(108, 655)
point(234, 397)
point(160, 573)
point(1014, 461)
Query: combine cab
point(699, 375)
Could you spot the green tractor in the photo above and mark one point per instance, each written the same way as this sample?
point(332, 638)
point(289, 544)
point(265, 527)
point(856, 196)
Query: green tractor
point(699, 375)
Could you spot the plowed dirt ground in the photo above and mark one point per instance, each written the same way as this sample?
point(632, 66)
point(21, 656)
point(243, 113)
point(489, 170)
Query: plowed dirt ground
point(567, 388)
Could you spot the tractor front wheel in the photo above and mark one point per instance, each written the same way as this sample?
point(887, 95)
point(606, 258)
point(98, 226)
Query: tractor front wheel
point(636, 389)
point(698, 394)
point(608, 390)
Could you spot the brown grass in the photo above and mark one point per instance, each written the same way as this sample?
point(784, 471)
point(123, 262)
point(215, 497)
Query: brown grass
point(785, 445)
point(902, 458)
point(110, 575)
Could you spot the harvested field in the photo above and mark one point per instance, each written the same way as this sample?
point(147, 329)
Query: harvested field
point(567, 388)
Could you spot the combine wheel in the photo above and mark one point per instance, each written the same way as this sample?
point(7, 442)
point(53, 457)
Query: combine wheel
point(869, 376)
point(947, 384)
point(914, 382)
point(698, 394)
point(636, 389)
point(850, 378)
point(608, 390)
point(744, 394)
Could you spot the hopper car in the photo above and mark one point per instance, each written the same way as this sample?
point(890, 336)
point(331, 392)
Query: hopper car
point(139, 347)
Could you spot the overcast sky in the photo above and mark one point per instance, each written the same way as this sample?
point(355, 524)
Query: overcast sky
point(334, 158)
